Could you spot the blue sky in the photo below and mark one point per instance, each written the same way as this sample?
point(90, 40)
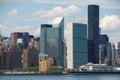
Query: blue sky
point(28, 15)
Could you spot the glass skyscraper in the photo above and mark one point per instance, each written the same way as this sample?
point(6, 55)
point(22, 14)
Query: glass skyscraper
point(77, 50)
point(118, 46)
point(93, 33)
point(104, 39)
point(111, 53)
point(51, 41)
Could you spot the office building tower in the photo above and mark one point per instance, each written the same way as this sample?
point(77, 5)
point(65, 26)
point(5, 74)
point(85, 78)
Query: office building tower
point(43, 40)
point(102, 53)
point(20, 38)
point(51, 41)
point(118, 46)
point(2, 57)
point(93, 33)
point(104, 39)
point(0, 37)
point(30, 57)
point(77, 47)
point(111, 54)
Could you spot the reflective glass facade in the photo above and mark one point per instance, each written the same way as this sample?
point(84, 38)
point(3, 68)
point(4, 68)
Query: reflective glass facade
point(51, 42)
point(79, 45)
point(93, 33)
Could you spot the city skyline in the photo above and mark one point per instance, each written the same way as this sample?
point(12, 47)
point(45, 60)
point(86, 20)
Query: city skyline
point(28, 15)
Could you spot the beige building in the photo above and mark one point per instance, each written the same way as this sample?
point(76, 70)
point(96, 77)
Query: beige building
point(45, 64)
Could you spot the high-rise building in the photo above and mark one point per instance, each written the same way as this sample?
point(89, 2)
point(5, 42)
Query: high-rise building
point(93, 33)
point(77, 47)
point(51, 41)
point(23, 37)
point(111, 54)
point(102, 53)
point(43, 42)
point(118, 46)
point(0, 37)
point(3, 57)
point(30, 57)
point(104, 40)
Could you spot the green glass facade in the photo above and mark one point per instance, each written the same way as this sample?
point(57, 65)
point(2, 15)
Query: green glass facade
point(80, 51)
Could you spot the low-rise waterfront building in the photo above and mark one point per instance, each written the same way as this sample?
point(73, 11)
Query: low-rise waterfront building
point(95, 67)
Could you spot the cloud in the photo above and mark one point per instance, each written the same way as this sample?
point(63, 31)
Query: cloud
point(103, 3)
point(1, 26)
point(114, 4)
point(37, 32)
point(57, 11)
point(110, 24)
point(25, 28)
point(13, 12)
point(4, 0)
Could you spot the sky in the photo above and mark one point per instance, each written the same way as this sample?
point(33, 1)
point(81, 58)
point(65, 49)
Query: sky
point(28, 15)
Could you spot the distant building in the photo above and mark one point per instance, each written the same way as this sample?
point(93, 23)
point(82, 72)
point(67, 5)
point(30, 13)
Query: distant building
point(0, 37)
point(51, 41)
point(93, 33)
point(104, 40)
point(31, 54)
point(21, 38)
point(10, 57)
point(118, 46)
point(45, 64)
point(77, 49)
point(30, 57)
point(111, 54)
point(14, 58)
point(3, 57)
point(102, 53)
point(95, 67)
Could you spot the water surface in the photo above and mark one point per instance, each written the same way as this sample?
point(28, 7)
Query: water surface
point(61, 77)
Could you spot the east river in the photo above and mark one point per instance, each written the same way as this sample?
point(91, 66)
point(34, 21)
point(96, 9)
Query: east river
point(60, 77)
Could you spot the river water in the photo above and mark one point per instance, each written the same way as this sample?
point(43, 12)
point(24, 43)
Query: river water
point(61, 77)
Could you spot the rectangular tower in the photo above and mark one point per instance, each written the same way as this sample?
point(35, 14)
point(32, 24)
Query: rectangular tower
point(77, 52)
point(93, 33)
point(51, 41)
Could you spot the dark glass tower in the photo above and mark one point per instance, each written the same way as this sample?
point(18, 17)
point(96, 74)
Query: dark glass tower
point(104, 39)
point(93, 33)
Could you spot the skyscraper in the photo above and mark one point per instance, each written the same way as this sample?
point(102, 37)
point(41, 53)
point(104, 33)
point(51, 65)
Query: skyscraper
point(111, 54)
point(0, 37)
point(118, 45)
point(51, 42)
point(93, 33)
point(104, 40)
point(77, 50)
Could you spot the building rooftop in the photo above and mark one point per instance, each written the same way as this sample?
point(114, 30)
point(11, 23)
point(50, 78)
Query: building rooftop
point(57, 20)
